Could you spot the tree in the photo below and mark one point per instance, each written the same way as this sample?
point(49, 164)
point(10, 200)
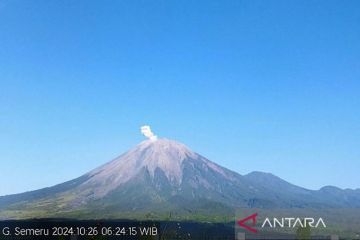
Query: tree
point(303, 232)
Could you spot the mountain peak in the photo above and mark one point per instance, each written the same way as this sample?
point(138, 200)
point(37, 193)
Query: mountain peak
point(150, 155)
point(163, 145)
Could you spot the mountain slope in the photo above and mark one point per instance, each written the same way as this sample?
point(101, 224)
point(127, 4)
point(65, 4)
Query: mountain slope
point(162, 176)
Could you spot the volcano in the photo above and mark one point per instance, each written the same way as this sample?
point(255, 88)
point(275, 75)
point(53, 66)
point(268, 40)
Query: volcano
point(159, 177)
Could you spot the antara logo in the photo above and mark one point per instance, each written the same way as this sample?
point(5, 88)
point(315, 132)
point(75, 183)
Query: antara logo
point(252, 218)
point(291, 222)
point(249, 222)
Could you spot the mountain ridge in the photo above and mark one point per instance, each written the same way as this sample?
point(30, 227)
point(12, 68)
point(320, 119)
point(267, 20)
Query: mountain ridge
point(160, 176)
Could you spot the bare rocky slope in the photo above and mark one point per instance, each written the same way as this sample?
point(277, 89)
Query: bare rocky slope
point(161, 177)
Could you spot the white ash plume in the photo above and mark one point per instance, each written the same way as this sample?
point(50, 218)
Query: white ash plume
point(146, 131)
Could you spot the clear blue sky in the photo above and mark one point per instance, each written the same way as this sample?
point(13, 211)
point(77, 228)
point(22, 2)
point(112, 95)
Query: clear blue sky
point(272, 86)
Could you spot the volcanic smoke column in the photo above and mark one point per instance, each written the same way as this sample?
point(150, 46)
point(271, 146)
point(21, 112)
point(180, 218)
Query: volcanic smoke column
point(146, 131)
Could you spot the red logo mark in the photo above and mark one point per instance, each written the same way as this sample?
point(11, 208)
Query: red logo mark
point(243, 225)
